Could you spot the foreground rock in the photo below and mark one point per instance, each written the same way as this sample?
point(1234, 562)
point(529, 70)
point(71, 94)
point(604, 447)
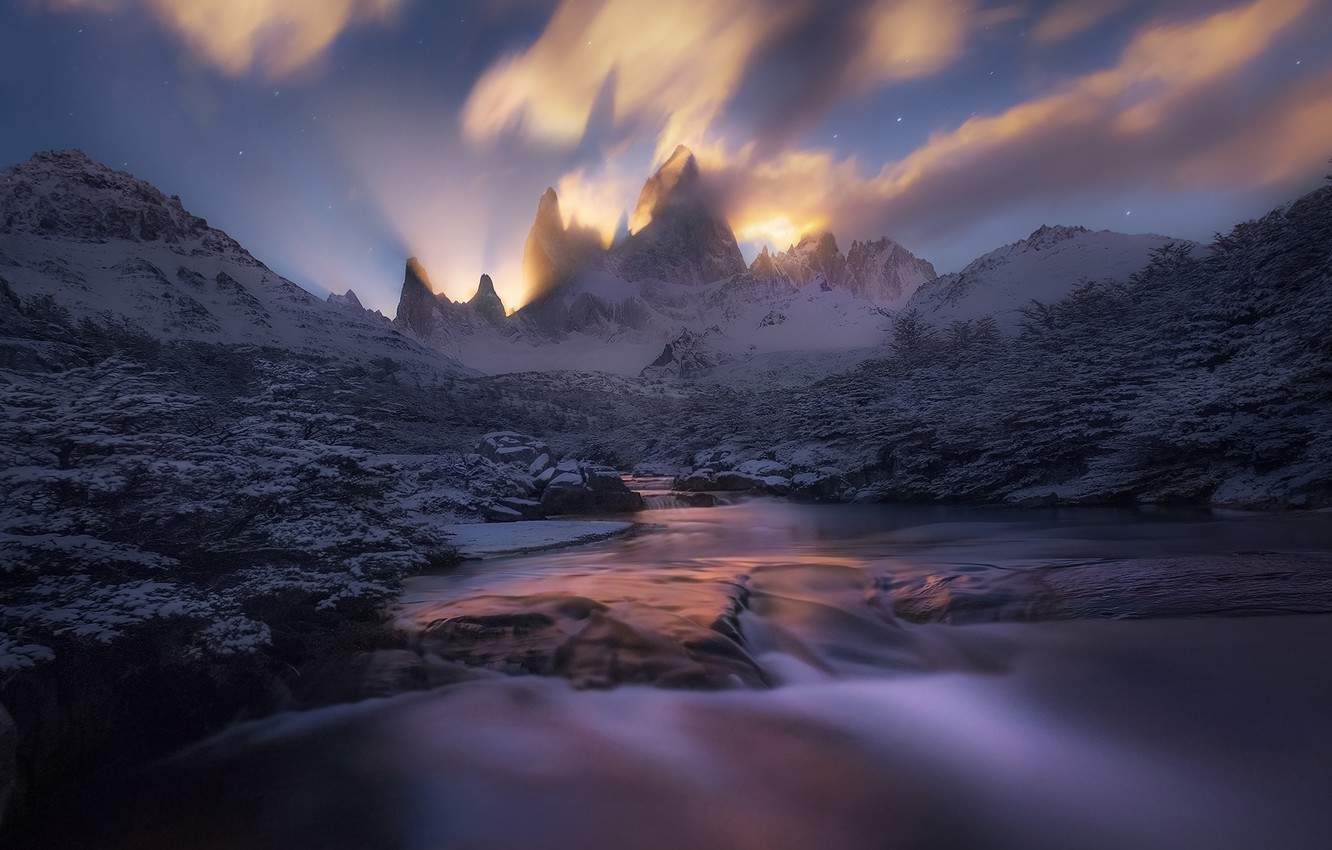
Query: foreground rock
point(560, 488)
point(1243, 584)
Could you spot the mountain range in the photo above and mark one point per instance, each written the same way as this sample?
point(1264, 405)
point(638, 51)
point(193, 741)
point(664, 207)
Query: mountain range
point(103, 243)
point(679, 284)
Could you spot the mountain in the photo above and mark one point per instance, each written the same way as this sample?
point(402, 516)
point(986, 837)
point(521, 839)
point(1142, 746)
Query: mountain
point(880, 271)
point(678, 282)
point(441, 323)
point(679, 272)
point(106, 246)
point(1046, 266)
point(683, 237)
point(553, 252)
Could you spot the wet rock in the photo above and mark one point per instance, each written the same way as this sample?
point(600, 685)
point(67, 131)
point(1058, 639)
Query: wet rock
point(821, 486)
point(558, 499)
point(581, 489)
point(696, 481)
point(375, 674)
point(1243, 584)
point(696, 500)
point(610, 651)
point(737, 481)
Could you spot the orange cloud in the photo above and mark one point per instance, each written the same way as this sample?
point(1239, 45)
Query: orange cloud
point(1074, 17)
point(669, 66)
point(666, 71)
point(1157, 74)
point(1174, 111)
point(906, 39)
point(237, 37)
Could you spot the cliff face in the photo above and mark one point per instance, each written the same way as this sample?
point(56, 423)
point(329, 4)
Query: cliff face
point(683, 237)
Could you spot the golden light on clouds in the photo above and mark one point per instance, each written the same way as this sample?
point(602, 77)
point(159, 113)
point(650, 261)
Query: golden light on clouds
point(1157, 72)
point(595, 201)
point(1134, 121)
point(906, 39)
point(670, 67)
point(238, 37)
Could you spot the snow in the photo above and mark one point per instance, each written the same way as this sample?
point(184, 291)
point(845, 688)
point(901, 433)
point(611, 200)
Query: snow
point(1045, 267)
point(508, 538)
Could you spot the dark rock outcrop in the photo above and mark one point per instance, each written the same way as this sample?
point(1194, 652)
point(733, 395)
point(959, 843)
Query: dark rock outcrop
point(487, 303)
point(682, 235)
point(416, 305)
point(576, 488)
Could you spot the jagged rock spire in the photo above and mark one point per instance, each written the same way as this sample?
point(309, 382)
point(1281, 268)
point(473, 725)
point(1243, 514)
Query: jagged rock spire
point(547, 258)
point(417, 301)
point(487, 302)
point(679, 234)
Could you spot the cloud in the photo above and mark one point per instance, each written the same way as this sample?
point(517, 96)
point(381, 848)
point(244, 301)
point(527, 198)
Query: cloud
point(670, 70)
point(667, 68)
point(1074, 17)
point(614, 75)
point(276, 38)
point(1180, 108)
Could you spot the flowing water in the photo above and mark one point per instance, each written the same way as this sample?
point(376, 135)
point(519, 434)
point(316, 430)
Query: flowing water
point(816, 677)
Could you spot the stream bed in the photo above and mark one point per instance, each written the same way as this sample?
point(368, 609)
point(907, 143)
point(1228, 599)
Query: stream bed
point(772, 675)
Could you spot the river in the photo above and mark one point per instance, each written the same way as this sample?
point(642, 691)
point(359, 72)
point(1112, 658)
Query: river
point(771, 675)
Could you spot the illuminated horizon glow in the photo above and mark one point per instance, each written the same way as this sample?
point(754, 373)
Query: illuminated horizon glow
point(400, 128)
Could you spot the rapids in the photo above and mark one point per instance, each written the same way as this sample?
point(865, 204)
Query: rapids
point(771, 675)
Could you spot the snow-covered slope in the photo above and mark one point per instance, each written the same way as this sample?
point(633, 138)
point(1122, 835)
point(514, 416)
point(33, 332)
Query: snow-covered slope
point(1046, 266)
point(107, 246)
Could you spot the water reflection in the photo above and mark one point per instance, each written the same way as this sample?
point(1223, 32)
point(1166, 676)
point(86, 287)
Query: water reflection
point(880, 732)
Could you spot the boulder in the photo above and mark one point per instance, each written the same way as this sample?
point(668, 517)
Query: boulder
point(512, 509)
point(566, 499)
point(738, 481)
point(696, 500)
point(515, 448)
point(696, 481)
point(575, 489)
point(762, 468)
point(821, 487)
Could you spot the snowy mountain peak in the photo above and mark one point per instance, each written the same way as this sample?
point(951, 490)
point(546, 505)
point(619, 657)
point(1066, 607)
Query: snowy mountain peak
point(675, 177)
point(548, 207)
point(1046, 235)
point(763, 265)
point(69, 196)
point(879, 271)
point(1046, 266)
point(553, 252)
point(112, 249)
point(680, 234)
point(348, 299)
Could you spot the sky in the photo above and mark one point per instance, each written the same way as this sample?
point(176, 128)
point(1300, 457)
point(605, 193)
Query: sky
point(335, 138)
